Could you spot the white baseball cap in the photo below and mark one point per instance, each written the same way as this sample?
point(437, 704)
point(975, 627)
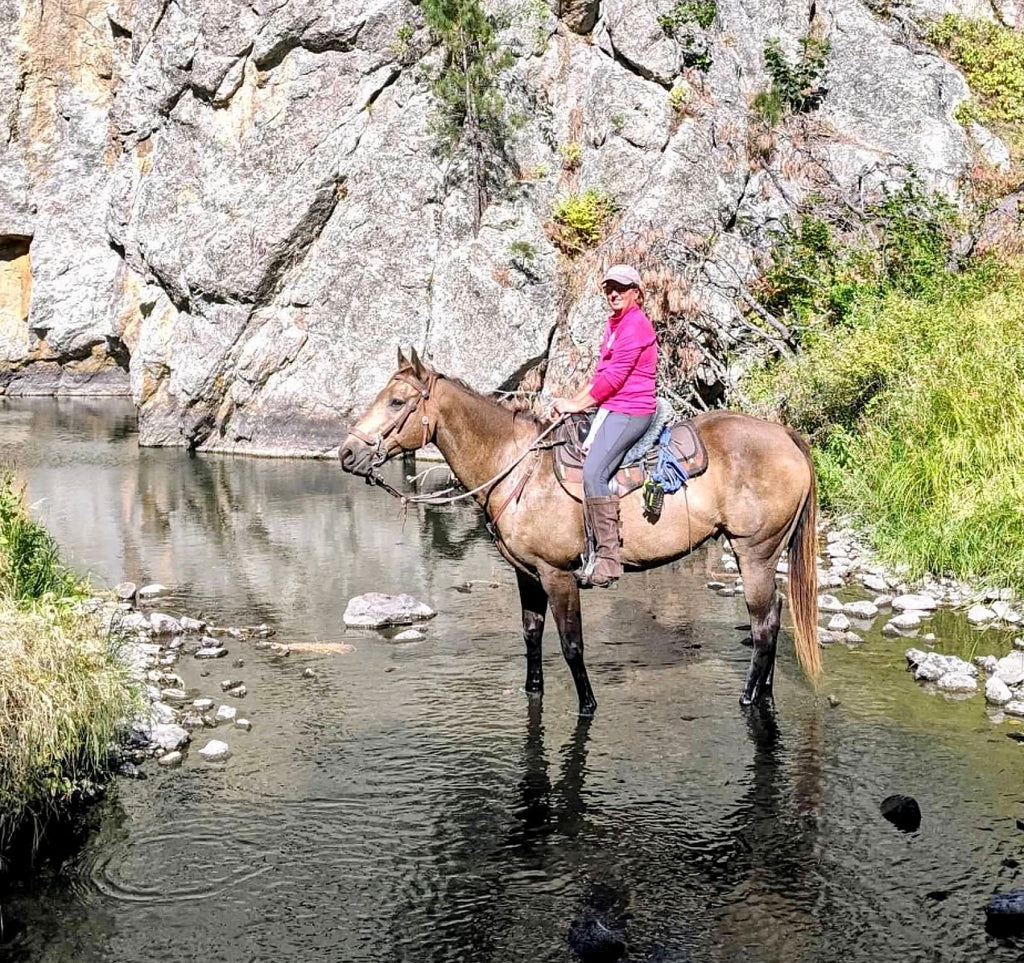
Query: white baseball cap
point(623, 274)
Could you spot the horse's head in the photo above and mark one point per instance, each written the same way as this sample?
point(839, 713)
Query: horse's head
point(397, 421)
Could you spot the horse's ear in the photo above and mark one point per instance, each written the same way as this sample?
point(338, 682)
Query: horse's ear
point(402, 360)
point(417, 365)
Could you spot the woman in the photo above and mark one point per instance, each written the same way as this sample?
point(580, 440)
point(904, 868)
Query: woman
point(623, 388)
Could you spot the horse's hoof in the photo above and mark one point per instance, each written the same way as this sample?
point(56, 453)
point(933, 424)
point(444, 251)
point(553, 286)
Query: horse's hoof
point(587, 712)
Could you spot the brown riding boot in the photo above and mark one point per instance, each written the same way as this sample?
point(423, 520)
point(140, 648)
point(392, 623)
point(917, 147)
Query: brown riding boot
point(602, 515)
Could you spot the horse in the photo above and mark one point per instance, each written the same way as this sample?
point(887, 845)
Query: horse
point(759, 491)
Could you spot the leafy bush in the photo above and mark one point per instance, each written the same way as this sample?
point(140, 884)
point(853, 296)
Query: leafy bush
point(30, 564)
point(582, 218)
point(797, 87)
point(572, 155)
point(992, 58)
point(700, 12)
point(818, 272)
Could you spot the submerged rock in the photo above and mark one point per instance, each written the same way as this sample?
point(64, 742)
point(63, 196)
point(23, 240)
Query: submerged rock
point(861, 610)
point(375, 610)
point(829, 603)
point(153, 590)
point(409, 635)
point(914, 603)
point(1005, 912)
point(211, 652)
point(906, 620)
point(902, 811)
point(170, 760)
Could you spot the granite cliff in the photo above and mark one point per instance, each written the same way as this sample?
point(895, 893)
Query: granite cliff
point(234, 212)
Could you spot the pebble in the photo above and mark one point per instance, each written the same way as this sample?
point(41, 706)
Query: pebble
point(838, 623)
point(238, 692)
point(173, 695)
point(243, 724)
point(170, 759)
point(308, 673)
point(409, 635)
point(203, 705)
point(215, 751)
point(226, 714)
point(229, 684)
point(715, 586)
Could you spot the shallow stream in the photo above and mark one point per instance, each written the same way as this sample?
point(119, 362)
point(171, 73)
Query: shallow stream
point(407, 803)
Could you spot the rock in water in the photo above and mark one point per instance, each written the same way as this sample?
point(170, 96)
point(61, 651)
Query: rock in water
point(1005, 912)
point(595, 942)
point(375, 610)
point(215, 751)
point(902, 811)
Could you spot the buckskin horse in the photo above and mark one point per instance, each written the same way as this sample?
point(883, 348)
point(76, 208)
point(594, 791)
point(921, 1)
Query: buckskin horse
point(759, 491)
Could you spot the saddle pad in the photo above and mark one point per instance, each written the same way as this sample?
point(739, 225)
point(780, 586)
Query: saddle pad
point(684, 442)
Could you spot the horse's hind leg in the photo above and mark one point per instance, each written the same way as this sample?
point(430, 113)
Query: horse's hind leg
point(765, 607)
point(535, 605)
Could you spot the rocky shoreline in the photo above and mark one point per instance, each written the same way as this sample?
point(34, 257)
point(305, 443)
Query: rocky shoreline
point(173, 718)
point(847, 565)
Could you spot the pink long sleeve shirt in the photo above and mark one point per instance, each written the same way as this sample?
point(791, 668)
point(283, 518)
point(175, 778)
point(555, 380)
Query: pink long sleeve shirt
point(626, 367)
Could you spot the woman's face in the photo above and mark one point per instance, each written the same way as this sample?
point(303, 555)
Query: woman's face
point(620, 297)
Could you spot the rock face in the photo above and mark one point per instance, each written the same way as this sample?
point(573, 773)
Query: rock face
point(234, 212)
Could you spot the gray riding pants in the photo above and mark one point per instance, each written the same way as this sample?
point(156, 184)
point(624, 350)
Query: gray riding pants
point(614, 438)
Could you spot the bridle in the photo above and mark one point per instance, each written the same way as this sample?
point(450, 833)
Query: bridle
point(379, 441)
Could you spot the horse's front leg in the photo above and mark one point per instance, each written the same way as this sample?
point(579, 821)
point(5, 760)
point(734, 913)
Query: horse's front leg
point(564, 597)
point(535, 605)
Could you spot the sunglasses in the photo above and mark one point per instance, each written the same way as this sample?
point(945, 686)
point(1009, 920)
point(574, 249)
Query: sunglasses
point(610, 286)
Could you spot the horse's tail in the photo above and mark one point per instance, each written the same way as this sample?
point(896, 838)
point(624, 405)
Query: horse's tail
point(803, 574)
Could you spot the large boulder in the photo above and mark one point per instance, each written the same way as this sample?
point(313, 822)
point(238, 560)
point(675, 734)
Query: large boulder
point(375, 610)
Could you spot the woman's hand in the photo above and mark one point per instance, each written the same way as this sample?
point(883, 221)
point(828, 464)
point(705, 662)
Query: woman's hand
point(563, 406)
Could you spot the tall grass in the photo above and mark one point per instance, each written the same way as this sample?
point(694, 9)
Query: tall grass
point(916, 409)
point(64, 693)
point(30, 563)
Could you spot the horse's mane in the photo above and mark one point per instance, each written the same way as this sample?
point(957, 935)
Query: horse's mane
point(522, 413)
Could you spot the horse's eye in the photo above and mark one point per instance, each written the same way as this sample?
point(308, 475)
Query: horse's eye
point(396, 403)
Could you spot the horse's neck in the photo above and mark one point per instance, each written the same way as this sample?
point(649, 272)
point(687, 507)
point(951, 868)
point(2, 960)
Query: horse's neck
point(476, 436)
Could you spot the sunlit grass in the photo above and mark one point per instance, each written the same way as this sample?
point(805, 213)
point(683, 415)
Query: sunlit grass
point(916, 409)
point(64, 693)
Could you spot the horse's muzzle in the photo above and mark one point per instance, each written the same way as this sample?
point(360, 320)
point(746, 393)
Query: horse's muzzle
point(355, 456)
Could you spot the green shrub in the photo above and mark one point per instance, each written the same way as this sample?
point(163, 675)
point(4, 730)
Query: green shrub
point(700, 12)
point(30, 564)
point(992, 59)
point(818, 272)
point(64, 694)
point(572, 155)
point(582, 218)
point(798, 86)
